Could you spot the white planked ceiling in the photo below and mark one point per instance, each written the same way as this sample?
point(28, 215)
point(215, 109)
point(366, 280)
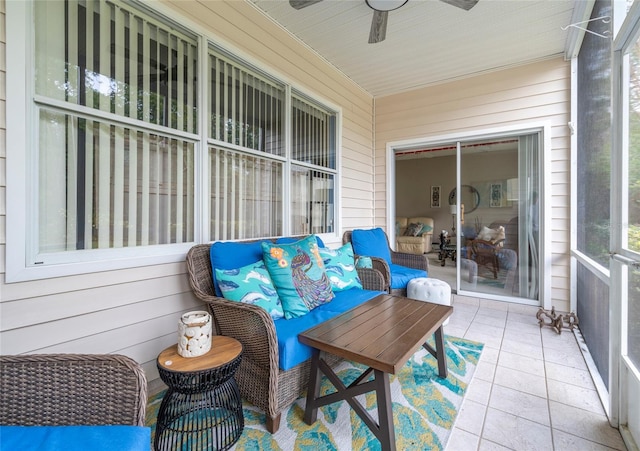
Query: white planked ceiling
point(428, 41)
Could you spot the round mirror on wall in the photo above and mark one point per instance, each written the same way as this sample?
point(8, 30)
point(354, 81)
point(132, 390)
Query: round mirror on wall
point(470, 198)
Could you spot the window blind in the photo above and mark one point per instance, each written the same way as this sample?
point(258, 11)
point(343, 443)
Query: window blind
point(246, 196)
point(122, 185)
point(313, 139)
point(246, 107)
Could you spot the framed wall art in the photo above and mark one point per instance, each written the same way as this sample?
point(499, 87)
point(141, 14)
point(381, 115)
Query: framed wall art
point(496, 195)
point(435, 196)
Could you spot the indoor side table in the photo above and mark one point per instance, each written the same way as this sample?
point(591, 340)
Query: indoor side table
point(202, 408)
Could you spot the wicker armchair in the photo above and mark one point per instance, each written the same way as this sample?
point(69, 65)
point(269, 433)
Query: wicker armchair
point(259, 377)
point(71, 389)
point(414, 261)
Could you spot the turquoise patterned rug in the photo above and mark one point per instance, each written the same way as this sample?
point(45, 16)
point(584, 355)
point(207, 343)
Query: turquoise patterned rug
point(424, 408)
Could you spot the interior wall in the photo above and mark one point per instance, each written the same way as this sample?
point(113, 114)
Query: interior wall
point(415, 177)
point(533, 93)
point(135, 312)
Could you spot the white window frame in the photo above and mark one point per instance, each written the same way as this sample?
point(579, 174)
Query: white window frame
point(21, 136)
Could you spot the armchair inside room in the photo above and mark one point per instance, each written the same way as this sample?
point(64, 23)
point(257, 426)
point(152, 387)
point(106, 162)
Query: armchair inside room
point(484, 248)
point(398, 268)
point(485, 253)
point(413, 239)
point(491, 251)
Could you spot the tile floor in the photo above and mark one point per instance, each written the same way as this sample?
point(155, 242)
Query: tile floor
point(531, 390)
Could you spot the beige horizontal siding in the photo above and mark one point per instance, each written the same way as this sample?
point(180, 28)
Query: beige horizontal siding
point(135, 311)
point(37, 337)
point(521, 95)
point(58, 306)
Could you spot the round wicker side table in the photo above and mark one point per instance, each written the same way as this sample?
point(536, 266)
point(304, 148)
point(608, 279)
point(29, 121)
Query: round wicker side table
point(202, 408)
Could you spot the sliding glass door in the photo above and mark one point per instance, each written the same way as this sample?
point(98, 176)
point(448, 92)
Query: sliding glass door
point(498, 216)
point(483, 197)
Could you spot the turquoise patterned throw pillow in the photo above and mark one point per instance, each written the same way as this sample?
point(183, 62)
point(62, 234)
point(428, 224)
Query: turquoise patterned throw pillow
point(340, 267)
point(364, 262)
point(298, 274)
point(250, 284)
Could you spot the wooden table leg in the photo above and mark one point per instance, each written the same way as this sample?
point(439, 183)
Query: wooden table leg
point(441, 353)
point(387, 434)
point(313, 390)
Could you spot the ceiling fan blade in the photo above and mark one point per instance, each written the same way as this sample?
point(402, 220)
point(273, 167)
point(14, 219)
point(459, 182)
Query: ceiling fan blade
point(378, 26)
point(299, 4)
point(463, 4)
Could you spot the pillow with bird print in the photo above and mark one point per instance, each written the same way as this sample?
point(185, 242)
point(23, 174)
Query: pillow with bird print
point(298, 274)
point(250, 284)
point(339, 264)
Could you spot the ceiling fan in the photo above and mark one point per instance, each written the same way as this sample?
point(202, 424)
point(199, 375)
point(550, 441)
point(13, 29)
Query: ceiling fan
point(381, 10)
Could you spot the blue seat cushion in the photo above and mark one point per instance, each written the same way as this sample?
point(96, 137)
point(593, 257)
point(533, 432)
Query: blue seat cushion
point(232, 255)
point(76, 438)
point(401, 275)
point(290, 350)
point(371, 243)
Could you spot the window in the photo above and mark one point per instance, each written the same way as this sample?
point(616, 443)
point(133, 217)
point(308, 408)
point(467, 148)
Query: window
point(247, 149)
point(313, 170)
point(107, 178)
point(119, 167)
point(248, 155)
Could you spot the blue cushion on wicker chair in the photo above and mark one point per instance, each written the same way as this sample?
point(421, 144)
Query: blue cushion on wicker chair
point(401, 275)
point(372, 243)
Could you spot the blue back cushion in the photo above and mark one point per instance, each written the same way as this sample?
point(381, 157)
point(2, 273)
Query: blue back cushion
point(371, 243)
point(231, 255)
point(290, 350)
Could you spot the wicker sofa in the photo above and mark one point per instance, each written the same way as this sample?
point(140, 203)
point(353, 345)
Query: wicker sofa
point(71, 389)
point(260, 378)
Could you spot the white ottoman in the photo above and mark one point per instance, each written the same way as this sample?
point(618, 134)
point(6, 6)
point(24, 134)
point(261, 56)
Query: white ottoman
point(430, 290)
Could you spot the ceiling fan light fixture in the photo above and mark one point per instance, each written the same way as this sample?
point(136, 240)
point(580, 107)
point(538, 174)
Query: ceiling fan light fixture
point(385, 5)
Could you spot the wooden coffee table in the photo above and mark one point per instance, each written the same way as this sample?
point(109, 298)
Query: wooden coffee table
point(381, 334)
